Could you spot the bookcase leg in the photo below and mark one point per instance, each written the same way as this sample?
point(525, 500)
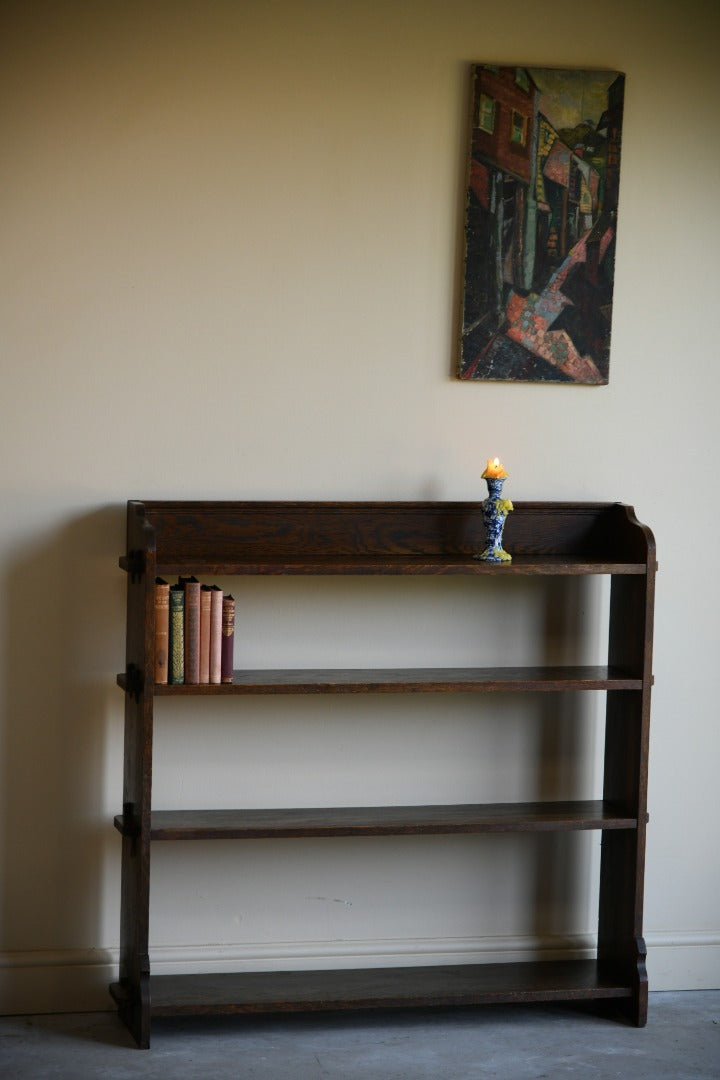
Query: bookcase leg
point(620, 949)
point(635, 1008)
point(640, 996)
point(133, 991)
point(134, 1009)
point(134, 988)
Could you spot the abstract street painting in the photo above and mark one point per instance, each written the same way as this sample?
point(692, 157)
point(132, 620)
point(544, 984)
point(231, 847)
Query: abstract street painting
point(541, 224)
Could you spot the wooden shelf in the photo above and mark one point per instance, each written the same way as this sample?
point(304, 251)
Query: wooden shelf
point(382, 538)
point(315, 565)
point(372, 988)
point(409, 680)
point(301, 822)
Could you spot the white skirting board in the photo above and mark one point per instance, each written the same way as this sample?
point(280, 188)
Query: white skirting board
point(76, 980)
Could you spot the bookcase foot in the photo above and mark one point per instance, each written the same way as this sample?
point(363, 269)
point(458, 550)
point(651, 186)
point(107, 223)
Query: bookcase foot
point(640, 994)
point(634, 1008)
point(133, 1005)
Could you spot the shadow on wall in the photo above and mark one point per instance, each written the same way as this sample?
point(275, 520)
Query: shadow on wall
point(563, 903)
point(64, 604)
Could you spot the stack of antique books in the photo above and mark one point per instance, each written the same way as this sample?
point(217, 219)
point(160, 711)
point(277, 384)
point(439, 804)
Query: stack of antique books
point(194, 633)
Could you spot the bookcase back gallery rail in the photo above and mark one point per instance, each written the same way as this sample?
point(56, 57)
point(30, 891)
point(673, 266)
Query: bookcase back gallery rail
point(182, 534)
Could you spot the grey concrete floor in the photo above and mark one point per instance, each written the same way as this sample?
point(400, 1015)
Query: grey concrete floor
point(681, 1042)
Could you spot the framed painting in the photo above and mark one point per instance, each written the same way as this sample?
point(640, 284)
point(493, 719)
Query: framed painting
point(541, 224)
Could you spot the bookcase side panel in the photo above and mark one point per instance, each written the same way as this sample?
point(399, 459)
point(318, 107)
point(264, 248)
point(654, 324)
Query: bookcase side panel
point(627, 729)
point(137, 777)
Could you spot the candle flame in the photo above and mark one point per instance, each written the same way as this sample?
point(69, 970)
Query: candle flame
point(494, 468)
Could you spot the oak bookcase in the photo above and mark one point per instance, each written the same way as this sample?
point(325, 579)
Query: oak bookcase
point(380, 538)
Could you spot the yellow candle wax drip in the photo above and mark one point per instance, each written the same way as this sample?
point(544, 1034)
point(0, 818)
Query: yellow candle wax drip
point(494, 468)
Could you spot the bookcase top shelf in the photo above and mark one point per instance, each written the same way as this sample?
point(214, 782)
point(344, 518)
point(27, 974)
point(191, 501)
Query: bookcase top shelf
point(412, 538)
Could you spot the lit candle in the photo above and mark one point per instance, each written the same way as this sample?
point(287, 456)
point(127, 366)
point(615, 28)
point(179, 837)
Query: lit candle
point(495, 468)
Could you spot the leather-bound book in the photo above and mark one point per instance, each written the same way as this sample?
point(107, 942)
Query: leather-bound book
point(162, 626)
point(177, 635)
point(216, 599)
point(192, 629)
point(227, 645)
point(205, 600)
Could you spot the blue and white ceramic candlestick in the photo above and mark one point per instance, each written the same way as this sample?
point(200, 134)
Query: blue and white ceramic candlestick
point(495, 510)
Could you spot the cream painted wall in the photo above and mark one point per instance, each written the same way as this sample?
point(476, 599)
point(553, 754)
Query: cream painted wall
point(229, 247)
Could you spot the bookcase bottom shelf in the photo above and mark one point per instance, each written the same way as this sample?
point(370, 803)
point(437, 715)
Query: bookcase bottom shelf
point(371, 988)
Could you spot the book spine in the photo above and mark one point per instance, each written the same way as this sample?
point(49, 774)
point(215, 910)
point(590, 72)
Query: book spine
point(177, 635)
point(162, 628)
point(205, 601)
point(192, 630)
point(216, 599)
point(227, 645)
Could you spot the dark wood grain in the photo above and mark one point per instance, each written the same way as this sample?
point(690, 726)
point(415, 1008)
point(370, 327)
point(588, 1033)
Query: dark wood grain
point(252, 824)
point(410, 680)
point(382, 537)
point(371, 988)
point(408, 565)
